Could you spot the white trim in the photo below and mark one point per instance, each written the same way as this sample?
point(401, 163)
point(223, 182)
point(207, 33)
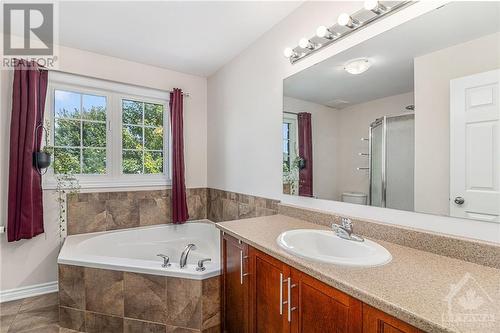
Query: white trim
point(28, 291)
point(111, 86)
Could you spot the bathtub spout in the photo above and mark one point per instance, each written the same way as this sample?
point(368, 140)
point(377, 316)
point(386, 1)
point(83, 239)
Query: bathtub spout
point(185, 254)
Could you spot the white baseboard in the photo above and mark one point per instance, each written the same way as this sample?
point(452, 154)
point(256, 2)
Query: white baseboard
point(28, 291)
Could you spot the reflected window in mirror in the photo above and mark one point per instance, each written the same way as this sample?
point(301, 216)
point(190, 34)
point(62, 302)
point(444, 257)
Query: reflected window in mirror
point(290, 154)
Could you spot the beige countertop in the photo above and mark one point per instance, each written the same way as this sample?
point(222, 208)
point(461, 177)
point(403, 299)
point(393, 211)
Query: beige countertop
point(432, 292)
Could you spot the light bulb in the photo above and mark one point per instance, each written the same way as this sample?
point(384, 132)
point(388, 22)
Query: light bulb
point(304, 43)
point(344, 19)
point(347, 21)
point(288, 52)
point(371, 4)
point(322, 31)
point(374, 6)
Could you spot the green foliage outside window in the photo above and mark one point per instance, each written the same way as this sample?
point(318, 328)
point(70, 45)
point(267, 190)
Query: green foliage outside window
point(80, 135)
point(142, 137)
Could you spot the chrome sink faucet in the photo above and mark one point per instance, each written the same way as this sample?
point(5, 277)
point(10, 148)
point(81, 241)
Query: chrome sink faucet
point(185, 254)
point(345, 230)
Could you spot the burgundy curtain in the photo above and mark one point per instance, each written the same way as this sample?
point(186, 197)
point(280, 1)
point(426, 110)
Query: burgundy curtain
point(25, 208)
point(179, 204)
point(306, 154)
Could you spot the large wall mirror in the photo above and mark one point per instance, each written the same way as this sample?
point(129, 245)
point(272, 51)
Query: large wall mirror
point(408, 120)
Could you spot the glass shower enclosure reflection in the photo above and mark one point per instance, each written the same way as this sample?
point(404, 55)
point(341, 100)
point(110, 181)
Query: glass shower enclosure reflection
point(392, 159)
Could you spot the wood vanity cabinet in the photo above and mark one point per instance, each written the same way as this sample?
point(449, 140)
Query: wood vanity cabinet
point(264, 295)
point(235, 285)
point(321, 308)
point(376, 321)
point(268, 290)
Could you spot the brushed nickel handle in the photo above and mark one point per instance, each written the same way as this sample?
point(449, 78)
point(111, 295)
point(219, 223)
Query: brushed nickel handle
point(459, 200)
point(242, 275)
point(290, 308)
point(166, 260)
point(281, 294)
point(200, 267)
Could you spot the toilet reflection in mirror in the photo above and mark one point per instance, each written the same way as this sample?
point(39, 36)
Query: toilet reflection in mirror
point(403, 121)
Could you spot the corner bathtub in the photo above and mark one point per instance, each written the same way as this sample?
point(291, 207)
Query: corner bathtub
point(135, 250)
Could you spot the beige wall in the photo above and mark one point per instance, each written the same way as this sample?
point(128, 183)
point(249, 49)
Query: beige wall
point(324, 132)
point(433, 73)
point(354, 122)
point(30, 262)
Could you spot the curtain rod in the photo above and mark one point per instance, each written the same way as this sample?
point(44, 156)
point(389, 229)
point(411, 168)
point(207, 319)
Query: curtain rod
point(186, 94)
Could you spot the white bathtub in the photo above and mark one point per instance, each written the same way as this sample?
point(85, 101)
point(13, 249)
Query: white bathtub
point(135, 250)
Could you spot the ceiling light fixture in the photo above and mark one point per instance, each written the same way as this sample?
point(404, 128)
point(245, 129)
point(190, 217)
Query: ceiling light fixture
point(346, 20)
point(324, 32)
point(357, 66)
point(331, 34)
point(375, 6)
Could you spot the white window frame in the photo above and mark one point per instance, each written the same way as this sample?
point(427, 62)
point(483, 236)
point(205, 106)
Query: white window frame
point(114, 93)
point(292, 135)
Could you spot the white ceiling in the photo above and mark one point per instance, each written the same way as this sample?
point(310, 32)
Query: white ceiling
point(392, 55)
point(196, 37)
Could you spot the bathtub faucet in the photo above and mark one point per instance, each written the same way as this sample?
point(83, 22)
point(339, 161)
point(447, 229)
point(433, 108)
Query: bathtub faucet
point(185, 253)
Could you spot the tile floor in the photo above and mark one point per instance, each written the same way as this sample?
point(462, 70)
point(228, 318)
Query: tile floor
point(38, 314)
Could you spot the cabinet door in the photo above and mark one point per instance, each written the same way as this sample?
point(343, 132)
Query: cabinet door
point(235, 285)
point(376, 321)
point(321, 308)
point(269, 293)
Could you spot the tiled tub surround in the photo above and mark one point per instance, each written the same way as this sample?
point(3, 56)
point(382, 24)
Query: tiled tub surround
point(227, 206)
point(99, 300)
point(420, 288)
point(474, 251)
point(104, 211)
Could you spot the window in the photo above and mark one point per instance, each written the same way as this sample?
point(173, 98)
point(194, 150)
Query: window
point(107, 134)
point(142, 137)
point(289, 130)
point(79, 133)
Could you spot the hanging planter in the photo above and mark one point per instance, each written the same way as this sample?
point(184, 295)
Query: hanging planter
point(42, 159)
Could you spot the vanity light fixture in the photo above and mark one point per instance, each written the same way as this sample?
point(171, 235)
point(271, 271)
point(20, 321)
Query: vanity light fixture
point(357, 66)
point(305, 43)
point(372, 11)
point(346, 20)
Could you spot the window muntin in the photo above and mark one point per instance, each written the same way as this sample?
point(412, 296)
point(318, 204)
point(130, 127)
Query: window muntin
point(286, 144)
point(142, 137)
point(80, 133)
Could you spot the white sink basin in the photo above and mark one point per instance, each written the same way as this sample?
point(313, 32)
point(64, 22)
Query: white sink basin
point(325, 246)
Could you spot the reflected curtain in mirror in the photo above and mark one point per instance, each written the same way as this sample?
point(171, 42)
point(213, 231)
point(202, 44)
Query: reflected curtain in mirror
point(305, 154)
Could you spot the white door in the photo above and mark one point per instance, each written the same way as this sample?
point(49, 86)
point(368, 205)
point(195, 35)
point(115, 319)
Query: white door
point(475, 146)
